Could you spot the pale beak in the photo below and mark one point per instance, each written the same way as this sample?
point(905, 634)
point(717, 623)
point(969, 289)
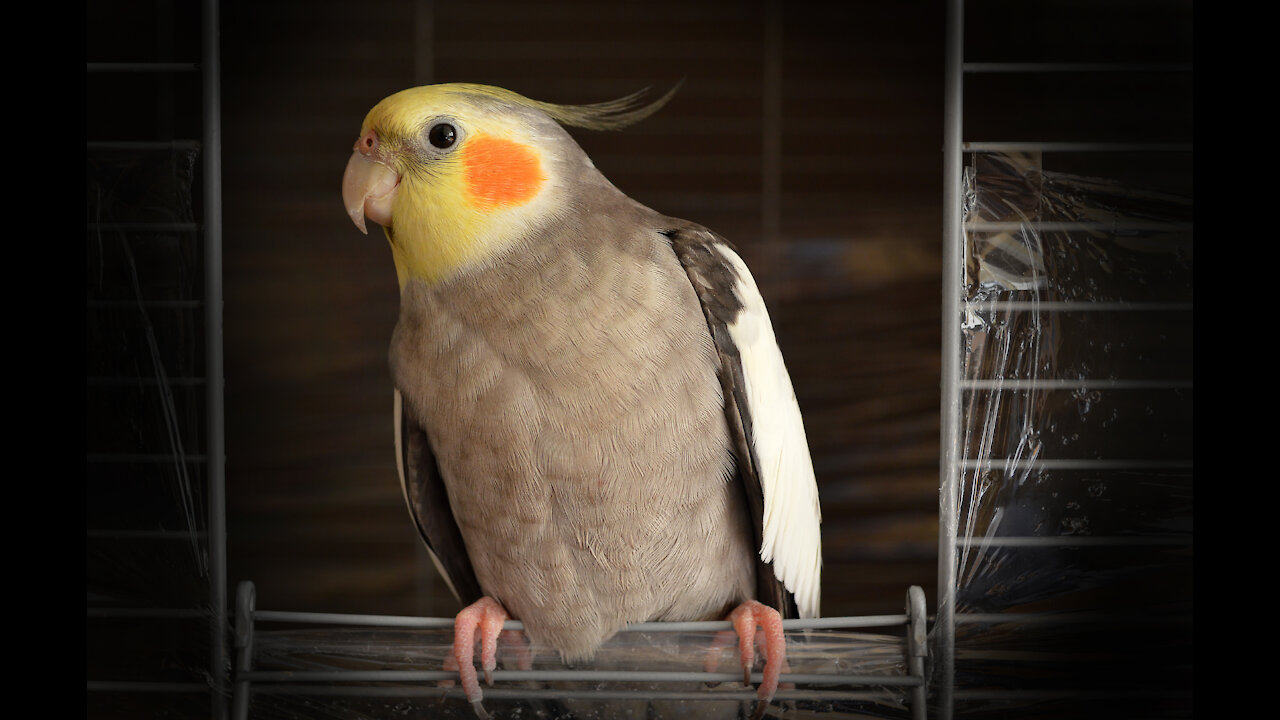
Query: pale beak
point(369, 184)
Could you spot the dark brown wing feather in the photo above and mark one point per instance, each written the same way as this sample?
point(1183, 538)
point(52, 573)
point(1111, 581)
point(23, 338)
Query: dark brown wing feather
point(714, 280)
point(429, 506)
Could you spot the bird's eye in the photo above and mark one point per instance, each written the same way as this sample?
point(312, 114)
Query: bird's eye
point(442, 135)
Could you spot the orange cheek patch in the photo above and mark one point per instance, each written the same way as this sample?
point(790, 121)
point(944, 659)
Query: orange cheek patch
point(500, 172)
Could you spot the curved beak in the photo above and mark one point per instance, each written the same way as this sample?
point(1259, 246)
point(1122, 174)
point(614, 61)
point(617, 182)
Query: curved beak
point(369, 184)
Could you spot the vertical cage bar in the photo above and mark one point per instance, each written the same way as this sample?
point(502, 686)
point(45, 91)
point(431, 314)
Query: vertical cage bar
point(246, 597)
point(211, 158)
point(917, 649)
point(952, 271)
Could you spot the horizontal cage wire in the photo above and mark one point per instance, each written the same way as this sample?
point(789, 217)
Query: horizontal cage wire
point(833, 665)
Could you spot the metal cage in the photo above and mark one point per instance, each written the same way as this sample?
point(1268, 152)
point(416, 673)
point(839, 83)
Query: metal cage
point(1064, 556)
point(1036, 543)
point(154, 465)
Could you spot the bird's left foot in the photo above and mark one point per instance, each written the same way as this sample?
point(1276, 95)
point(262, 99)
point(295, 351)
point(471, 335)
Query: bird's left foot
point(487, 615)
point(746, 618)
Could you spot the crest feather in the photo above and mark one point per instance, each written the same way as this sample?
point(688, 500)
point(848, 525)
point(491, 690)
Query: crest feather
point(610, 114)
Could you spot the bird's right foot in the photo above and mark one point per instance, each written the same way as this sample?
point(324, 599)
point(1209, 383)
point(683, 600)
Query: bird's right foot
point(487, 615)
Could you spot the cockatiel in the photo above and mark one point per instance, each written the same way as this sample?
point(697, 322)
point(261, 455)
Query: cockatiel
point(593, 419)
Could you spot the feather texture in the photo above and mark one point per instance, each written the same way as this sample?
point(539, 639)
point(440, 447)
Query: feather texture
point(773, 460)
point(428, 505)
point(573, 404)
point(791, 539)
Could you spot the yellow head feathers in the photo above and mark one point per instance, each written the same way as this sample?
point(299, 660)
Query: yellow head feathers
point(456, 172)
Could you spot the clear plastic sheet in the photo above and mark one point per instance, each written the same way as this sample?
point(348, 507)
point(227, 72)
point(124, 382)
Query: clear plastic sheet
point(1073, 585)
point(421, 653)
point(148, 555)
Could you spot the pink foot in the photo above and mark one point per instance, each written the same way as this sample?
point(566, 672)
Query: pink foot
point(487, 615)
point(745, 618)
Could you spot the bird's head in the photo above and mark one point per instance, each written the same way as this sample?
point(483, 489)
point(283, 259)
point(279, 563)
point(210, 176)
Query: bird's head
point(456, 173)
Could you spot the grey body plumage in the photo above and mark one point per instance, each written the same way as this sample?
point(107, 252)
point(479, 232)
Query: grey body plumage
point(574, 405)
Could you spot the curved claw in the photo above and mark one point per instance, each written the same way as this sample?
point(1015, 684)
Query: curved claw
point(745, 618)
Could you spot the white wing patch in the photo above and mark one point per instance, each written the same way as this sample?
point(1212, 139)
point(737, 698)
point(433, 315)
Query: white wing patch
point(791, 538)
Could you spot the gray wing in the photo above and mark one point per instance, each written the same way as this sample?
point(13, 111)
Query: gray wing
point(718, 279)
point(429, 507)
